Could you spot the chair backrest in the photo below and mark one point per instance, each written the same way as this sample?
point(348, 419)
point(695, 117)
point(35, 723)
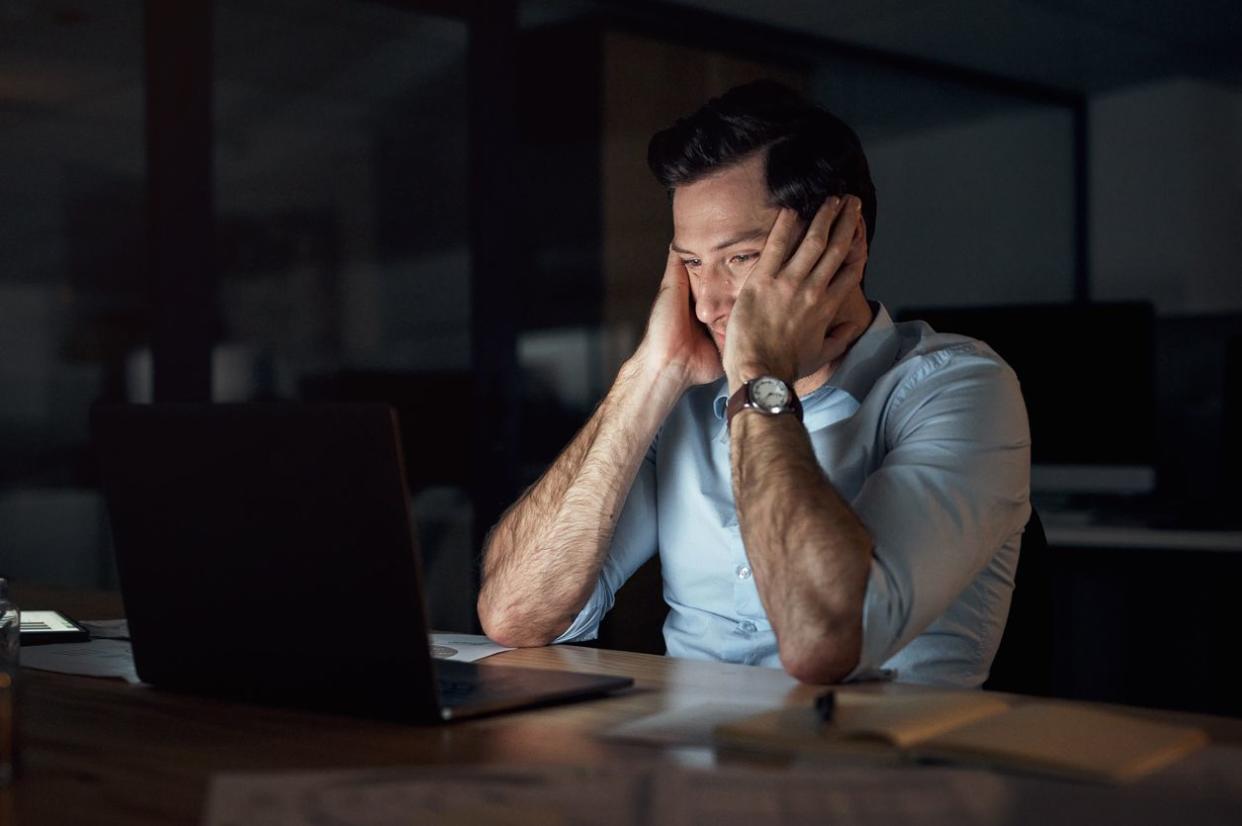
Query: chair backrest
point(1023, 661)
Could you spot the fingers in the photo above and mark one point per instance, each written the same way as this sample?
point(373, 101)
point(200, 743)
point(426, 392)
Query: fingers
point(846, 278)
point(674, 270)
point(780, 243)
point(816, 240)
point(675, 277)
point(840, 244)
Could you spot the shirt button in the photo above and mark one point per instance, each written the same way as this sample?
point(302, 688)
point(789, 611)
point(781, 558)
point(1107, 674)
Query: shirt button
point(747, 626)
point(742, 571)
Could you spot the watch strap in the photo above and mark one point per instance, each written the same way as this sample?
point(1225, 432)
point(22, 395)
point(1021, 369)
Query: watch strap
point(741, 400)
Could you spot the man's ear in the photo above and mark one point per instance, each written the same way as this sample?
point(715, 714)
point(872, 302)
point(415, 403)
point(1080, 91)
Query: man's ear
point(861, 234)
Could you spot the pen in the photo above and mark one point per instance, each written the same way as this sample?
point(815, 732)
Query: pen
point(826, 706)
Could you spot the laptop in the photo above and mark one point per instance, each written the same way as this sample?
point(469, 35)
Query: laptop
point(266, 553)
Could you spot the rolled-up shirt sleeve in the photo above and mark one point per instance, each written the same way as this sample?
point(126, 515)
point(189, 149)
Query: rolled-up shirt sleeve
point(633, 543)
point(953, 487)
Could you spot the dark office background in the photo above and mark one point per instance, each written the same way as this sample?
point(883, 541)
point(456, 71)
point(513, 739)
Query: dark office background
point(351, 199)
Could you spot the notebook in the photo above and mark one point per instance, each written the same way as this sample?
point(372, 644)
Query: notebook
point(266, 553)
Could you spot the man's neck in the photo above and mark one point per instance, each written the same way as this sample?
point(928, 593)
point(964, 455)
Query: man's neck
point(856, 310)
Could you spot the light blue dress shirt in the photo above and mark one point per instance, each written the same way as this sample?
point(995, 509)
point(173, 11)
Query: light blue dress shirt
point(925, 435)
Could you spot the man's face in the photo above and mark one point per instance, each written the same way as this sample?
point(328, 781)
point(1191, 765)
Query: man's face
point(720, 224)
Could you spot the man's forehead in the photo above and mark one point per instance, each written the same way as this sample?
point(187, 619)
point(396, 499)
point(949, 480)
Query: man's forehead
point(724, 240)
point(716, 223)
point(723, 205)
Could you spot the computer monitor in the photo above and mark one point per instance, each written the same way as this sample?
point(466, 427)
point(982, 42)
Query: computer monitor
point(1088, 376)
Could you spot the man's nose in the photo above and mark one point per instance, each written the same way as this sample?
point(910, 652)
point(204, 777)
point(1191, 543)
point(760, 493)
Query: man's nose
point(714, 298)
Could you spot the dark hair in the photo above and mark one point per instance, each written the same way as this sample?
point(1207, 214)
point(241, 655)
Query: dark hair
point(812, 154)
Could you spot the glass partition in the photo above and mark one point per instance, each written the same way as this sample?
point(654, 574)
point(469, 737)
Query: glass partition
point(341, 187)
point(74, 306)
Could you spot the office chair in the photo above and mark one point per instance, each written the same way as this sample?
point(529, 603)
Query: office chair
point(1023, 661)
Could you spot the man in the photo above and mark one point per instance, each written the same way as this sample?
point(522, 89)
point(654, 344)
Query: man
point(828, 491)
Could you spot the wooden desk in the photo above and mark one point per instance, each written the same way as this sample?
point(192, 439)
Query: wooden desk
point(103, 752)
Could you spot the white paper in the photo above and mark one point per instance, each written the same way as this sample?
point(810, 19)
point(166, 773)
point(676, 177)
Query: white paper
point(34, 622)
point(97, 658)
point(110, 654)
point(466, 648)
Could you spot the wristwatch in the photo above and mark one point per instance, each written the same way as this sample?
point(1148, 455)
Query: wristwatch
point(767, 394)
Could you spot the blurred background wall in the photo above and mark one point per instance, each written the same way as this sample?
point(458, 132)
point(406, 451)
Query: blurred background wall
point(414, 197)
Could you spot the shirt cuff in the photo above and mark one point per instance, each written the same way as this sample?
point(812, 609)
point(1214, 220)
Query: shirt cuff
point(586, 625)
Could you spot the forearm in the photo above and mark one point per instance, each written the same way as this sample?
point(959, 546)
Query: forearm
point(809, 552)
point(544, 556)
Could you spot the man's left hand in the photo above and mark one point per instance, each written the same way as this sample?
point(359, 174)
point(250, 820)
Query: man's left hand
point(782, 323)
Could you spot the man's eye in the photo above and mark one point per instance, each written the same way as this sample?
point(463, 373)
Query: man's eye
point(691, 263)
point(742, 258)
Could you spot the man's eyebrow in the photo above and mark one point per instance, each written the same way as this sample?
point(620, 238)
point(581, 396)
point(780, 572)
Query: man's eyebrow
point(749, 235)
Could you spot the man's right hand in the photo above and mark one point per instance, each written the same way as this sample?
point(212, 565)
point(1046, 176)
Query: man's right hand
point(675, 339)
point(542, 561)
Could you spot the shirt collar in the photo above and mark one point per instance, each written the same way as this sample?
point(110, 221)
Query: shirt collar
point(867, 359)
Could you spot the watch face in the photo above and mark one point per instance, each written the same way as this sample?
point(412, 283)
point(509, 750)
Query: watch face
point(769, 392)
